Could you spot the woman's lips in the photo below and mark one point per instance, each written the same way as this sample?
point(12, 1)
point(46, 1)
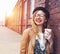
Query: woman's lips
point(38, 20)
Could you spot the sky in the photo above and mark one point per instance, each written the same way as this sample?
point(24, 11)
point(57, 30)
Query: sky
point(6, 7)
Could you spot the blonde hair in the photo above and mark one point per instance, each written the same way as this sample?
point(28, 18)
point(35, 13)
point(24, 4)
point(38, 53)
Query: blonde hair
point(34, 26)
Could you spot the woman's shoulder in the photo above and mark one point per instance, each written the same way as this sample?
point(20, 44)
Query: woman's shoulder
point(27, 30)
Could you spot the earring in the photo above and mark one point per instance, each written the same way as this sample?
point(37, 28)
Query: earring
point(45, 20)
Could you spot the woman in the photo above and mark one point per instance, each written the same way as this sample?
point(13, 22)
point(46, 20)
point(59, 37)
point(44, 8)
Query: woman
point(38, 39)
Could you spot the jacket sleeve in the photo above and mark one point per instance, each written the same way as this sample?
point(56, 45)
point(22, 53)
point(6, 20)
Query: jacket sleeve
point(24, 42)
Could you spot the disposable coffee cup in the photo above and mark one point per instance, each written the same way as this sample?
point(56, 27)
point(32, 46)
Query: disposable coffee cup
point(48, 30)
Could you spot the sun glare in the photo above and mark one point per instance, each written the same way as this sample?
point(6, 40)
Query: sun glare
point(6, 7)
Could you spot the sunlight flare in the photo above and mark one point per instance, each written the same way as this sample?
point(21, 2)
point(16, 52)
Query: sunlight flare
point(6, 7)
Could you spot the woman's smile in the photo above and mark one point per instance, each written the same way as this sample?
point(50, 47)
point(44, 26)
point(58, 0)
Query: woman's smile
point(38, 20)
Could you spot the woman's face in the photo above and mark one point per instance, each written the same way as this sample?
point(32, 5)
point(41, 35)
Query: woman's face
point(39, 18)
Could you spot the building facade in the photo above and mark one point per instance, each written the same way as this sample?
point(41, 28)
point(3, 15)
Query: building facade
point(22, 14)
point(54, 8)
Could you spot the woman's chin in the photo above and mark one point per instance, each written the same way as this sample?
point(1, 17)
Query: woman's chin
point(39, 23)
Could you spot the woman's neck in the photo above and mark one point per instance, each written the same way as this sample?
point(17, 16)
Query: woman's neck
point(40, 28)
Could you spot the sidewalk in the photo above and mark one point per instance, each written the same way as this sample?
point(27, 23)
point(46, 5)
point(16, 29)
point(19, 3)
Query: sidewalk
point(9, 41)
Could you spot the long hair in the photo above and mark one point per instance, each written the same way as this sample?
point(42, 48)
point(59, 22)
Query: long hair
point(34, 26)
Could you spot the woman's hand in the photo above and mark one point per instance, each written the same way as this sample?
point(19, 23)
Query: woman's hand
point(49, 37)
point(47, 34)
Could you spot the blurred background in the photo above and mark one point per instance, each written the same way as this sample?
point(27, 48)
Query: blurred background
point(16, 15)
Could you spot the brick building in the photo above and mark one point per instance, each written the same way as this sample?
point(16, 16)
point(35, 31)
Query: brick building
point(54, 8)
point(20, 20)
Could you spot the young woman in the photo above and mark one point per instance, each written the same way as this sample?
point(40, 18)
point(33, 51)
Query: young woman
point(38, 39)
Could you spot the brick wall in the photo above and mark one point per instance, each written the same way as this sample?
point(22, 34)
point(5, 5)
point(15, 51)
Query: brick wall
point(54, 8)
point(39, 3)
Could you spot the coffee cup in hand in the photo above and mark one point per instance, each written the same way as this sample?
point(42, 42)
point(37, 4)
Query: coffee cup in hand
point(47, 33)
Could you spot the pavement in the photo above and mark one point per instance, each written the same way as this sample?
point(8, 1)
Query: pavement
point(9, 41)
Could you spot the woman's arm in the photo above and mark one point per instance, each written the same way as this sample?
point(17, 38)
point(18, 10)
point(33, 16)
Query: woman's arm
point(49, 36)
point(24, 42)
point(51, 42)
